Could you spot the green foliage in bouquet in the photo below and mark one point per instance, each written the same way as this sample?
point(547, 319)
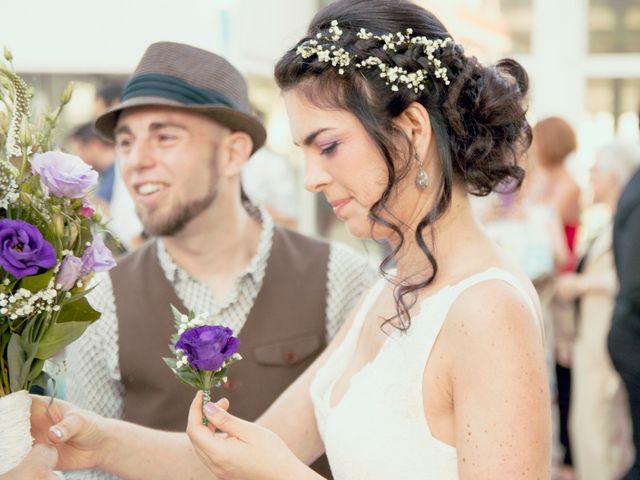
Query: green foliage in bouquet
point(49, 242)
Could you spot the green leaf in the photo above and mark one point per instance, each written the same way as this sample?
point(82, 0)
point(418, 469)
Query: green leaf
point(35, 370)
point(188, 377)
point(78, 311)
point(36, 283)
point(15, 361)
point(58, 336)
point(177, 315)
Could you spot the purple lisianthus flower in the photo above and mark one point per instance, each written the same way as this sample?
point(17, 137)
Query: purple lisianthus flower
point(64, 175)
point(97, 257)
point(207, 347)
point(23, 249)
point(69, 273)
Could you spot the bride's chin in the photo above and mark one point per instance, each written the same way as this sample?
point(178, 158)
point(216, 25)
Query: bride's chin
point(363, 230)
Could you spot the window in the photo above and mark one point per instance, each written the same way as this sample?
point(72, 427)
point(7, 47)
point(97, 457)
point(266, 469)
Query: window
point(519, 19)
point(614, 26)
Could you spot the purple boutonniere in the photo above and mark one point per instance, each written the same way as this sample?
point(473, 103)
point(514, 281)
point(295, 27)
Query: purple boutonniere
point(202, 353)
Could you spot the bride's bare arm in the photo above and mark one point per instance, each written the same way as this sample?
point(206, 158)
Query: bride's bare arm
point(499, 383)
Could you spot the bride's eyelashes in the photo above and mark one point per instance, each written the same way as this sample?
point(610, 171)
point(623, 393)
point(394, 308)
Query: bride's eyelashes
point(329, 148)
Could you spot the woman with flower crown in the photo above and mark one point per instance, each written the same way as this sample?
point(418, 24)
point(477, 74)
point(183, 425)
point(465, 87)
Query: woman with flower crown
point(440, 371)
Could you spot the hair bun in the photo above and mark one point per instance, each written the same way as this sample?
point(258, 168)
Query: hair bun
point(486, 113)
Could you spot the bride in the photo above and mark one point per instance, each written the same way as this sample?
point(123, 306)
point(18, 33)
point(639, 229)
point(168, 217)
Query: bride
point(440, 371)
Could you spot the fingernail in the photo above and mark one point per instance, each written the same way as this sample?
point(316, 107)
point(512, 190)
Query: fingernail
point(210, 407)
point(57, 432)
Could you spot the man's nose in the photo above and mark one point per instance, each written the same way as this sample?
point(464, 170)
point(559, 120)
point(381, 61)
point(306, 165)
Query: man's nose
point(141, 156)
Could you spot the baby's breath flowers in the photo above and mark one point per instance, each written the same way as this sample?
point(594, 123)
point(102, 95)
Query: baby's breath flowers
point(323, 46)
point(202, 352)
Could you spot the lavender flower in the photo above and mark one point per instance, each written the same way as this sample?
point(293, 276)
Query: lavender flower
point(23, 249)
point(69, 273)
point(64, 175)
point(97, 257)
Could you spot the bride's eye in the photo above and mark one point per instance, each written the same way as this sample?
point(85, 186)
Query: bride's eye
point(329, 149)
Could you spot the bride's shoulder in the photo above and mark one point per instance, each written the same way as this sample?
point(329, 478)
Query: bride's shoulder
point(498, 311)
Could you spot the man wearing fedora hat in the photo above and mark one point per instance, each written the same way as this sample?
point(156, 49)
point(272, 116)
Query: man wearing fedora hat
point(183, 131)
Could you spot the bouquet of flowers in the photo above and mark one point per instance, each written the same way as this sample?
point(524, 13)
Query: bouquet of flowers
point(49, 244)
point(202, 353)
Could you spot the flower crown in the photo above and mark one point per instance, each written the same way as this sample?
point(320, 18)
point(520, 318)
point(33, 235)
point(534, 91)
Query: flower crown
point(394, 76)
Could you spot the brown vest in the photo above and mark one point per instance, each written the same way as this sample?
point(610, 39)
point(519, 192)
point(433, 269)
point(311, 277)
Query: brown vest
point(284, 332)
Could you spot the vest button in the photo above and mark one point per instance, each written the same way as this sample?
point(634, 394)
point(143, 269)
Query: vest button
point(290, 357)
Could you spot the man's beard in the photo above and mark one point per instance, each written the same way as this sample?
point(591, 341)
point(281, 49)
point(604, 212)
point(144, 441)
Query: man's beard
point(176, 220)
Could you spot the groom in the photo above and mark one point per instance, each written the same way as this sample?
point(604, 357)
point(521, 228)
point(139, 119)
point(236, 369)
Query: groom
point(183, 131)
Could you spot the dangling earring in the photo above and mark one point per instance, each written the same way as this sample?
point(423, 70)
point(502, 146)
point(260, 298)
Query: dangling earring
point(422, 179)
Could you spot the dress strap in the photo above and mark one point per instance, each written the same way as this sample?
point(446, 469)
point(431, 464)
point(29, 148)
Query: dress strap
point(495, 273)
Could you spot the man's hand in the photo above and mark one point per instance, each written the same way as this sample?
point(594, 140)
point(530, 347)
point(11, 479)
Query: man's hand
point(78, 435)
point(37, 465)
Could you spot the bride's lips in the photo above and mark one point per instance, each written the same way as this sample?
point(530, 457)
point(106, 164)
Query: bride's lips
point(338, 205)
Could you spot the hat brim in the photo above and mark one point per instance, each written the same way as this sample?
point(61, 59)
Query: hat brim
point(233, 119)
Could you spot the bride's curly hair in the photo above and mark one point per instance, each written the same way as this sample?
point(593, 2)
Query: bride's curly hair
point(478, 119)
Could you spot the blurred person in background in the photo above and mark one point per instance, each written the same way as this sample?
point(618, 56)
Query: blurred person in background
point(270, 181)
point(97, 152)
point(624, 337)
point(553, 142)
point(599, 418)
point(107, 97)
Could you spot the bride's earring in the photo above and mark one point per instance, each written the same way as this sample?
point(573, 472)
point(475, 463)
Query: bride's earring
point(422, 179)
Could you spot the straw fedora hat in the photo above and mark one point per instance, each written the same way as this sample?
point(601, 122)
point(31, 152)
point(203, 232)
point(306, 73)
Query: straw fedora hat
point(177, 75)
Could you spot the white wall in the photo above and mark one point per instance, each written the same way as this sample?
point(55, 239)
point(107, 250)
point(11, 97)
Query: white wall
point(90, 36)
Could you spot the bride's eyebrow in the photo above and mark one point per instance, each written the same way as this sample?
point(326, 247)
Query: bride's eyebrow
point(312, 136)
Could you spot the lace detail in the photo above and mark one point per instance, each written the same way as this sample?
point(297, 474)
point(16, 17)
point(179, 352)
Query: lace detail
point(378, 429)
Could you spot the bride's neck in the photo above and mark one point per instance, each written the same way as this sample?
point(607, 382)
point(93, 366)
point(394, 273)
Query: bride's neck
point(445, 239)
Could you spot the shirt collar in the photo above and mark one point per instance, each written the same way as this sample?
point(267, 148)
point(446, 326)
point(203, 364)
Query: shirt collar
point(255, 268)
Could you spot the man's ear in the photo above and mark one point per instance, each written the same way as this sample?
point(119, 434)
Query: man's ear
point(239, 147)
point(416, 125)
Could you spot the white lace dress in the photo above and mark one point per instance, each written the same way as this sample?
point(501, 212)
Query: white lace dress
point(378, 429)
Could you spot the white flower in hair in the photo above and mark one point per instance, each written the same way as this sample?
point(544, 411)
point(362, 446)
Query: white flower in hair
point(394, 75)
